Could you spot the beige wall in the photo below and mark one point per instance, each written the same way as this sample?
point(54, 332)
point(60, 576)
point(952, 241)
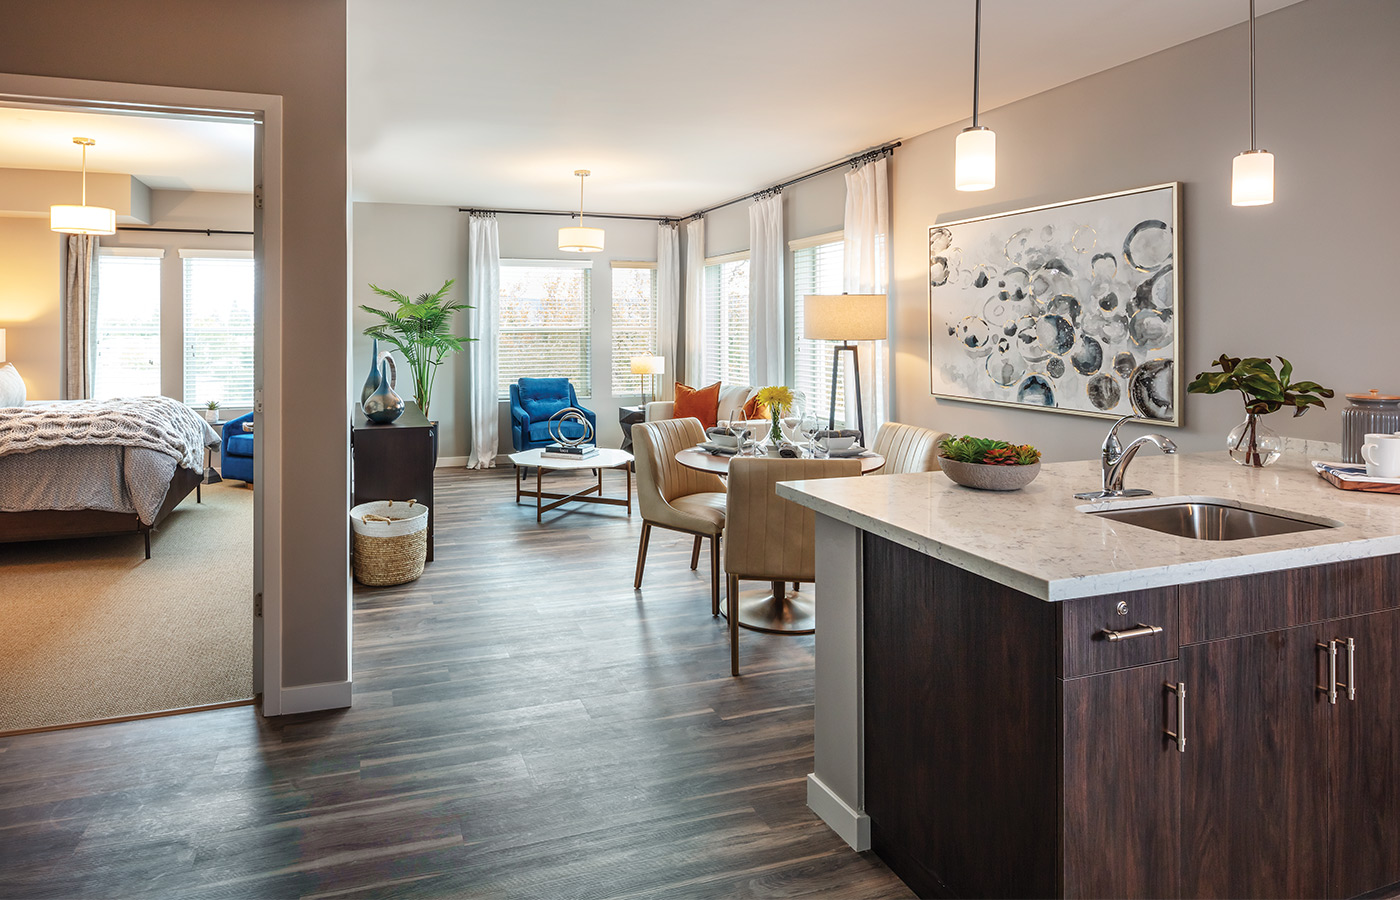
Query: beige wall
point(31, 282)
point(296, 50)
point(1308, 277)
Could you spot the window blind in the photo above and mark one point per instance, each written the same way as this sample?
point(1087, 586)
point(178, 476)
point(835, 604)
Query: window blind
point(633, 323)
point(725, 323)
point(816, 270)
point(544, 320)
point(126, 327)
point(218, 331)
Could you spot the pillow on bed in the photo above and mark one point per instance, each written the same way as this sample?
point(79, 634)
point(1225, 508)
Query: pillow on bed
point(11, 386)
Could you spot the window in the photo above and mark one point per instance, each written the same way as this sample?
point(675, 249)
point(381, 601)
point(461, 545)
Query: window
point(544, 322)
point(218, 328)
point(126, 326)
point(816, 269)
point(633, 322)
point(725, 321)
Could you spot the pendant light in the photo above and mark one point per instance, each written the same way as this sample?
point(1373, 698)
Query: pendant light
point(577, 238)
point(1253, 181)
point(975, 168)
point(83, 219)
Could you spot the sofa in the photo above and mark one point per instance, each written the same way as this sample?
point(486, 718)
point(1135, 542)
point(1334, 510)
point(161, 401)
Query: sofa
point(732, 398)
point(533, 401)
point(236, 451)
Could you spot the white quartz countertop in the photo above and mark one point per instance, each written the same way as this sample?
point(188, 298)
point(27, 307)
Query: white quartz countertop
point(1040, 541)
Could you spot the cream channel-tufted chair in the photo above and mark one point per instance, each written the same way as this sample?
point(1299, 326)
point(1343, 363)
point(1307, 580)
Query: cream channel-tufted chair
point(908, 448)
point(672, 496)
point(770, 538)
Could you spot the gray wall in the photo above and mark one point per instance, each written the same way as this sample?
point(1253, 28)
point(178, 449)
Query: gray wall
point(1307, 277)
point(296, 50)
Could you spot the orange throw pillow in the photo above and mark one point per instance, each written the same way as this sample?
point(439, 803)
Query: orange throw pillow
point(699, 403)
point(754, 410)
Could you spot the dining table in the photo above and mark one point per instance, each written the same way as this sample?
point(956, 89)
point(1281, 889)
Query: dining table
point(775, 611)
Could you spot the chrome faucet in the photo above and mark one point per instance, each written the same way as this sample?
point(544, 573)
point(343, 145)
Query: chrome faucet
point(1115, 463)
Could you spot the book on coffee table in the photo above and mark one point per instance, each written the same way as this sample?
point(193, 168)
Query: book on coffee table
point(564, 451)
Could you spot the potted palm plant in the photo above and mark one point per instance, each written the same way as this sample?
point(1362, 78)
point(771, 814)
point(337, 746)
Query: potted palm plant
point(421, 330)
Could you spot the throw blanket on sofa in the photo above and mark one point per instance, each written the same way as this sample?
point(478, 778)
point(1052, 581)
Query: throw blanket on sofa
point(152, 423)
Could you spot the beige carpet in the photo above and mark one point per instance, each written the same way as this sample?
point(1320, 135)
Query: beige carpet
point(90, 629)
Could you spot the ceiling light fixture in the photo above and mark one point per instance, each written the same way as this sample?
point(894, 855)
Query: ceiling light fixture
point(1253, 176)
point(975, 168)
point(84, 219)
point(576, 238)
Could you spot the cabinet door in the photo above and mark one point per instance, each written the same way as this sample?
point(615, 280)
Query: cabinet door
point(1122, 784)
point(1254, 782)
point(1365, 834)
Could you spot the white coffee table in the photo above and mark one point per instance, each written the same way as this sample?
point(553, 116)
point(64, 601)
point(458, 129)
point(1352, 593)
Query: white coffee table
point(606, 458)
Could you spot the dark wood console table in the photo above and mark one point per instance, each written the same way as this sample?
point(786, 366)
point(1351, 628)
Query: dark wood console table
point(394, 461)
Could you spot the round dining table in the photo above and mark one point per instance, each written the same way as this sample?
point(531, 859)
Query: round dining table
point(776, 610)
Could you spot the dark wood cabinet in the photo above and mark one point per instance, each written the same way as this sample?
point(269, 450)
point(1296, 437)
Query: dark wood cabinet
point(1011, 750)
point(394, 461)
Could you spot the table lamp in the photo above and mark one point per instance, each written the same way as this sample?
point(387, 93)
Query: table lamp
point(648, 365)
point(845, 318)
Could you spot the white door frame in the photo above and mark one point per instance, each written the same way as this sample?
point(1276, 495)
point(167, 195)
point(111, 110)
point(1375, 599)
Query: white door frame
point(265, 110)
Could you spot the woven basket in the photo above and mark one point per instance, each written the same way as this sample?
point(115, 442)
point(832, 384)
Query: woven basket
point(391, 541)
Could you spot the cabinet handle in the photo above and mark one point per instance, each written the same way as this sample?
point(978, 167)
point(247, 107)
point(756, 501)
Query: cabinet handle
point(1350, 684)
point(1180, 734)
point(1330, 688)
point(1127, 633)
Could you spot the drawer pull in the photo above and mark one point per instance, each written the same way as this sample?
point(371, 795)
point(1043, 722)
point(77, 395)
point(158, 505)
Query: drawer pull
point(1179, 736)
point(1128, 633)
point(1351, 667)
point(1330, 688)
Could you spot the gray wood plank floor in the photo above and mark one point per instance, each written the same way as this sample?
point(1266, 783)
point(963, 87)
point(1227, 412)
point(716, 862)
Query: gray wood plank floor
point(524, 725)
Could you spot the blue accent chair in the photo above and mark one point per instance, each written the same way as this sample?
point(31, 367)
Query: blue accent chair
point(236, 452)
point(533, 401)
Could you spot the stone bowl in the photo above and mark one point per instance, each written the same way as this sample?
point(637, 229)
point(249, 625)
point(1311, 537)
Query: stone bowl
point(989, 478)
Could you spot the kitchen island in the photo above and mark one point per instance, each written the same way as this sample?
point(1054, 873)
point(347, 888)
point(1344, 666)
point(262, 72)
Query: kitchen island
point(1015, 697)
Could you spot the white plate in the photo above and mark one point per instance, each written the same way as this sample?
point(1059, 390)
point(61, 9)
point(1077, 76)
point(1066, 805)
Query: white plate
point(848, 453)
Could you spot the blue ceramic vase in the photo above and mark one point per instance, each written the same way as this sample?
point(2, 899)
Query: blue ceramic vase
point(383, 406)
point(372, 382)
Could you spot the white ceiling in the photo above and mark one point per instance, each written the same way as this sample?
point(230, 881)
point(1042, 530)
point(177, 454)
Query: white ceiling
point(677, 104)
point(166, 154)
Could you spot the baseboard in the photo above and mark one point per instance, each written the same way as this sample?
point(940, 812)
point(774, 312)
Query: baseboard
point(451, 462)
point(313, 697)
point(853, 827)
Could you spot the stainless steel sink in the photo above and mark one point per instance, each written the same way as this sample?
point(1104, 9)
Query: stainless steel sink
point(1207, 521)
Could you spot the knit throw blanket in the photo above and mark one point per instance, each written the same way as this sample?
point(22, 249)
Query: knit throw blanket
point(155, 423)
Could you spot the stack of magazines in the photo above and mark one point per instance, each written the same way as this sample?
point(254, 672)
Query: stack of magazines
point(569, 451)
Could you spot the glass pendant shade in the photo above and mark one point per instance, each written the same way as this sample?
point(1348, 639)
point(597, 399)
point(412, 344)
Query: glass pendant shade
point(581, 240)
point(975, 168)
point(1253, 182)
point(82, 220)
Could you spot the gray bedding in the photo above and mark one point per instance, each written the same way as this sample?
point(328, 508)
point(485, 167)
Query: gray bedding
point(116, 479)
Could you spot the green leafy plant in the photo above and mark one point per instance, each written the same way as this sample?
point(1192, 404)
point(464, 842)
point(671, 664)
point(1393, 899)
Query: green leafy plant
point(988, 452)
point(1264, 390)
point(212, 405)
point(421, 330)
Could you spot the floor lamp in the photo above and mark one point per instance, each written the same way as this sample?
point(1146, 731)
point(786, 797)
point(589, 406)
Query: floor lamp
point(648, 365)
point(845, 318)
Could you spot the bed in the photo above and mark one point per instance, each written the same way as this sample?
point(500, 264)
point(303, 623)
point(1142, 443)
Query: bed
point(85, 468)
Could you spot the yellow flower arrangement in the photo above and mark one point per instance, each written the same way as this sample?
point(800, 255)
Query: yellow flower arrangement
point(777, 397)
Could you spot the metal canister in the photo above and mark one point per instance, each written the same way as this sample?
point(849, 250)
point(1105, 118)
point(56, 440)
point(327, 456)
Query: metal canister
point(1369, 413)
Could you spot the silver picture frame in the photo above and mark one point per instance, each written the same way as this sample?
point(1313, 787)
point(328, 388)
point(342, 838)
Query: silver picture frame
point(1071, 307)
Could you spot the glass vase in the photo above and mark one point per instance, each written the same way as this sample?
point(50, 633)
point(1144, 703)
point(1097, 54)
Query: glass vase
point(1252, 443)
point(775, 434)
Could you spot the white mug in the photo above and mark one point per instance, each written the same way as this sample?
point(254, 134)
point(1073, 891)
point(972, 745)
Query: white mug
point(1382, 455)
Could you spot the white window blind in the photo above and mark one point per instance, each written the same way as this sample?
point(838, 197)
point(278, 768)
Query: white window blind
point(725, 323)
point(544, 323)
point(218, 330)
point(633, 323)
point(126, 327)
point(816, 269)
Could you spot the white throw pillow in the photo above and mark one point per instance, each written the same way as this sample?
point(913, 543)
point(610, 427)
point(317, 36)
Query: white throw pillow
point(11, 386)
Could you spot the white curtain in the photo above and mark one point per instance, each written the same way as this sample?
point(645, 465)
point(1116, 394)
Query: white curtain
point(867, 271)
point(80, 312)
point(693, 361)
point(766, 359)
point(668, 301)
point(484, 296)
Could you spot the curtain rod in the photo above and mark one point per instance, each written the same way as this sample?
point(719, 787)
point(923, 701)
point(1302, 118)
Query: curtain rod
point(207, 231)
point(572, 214)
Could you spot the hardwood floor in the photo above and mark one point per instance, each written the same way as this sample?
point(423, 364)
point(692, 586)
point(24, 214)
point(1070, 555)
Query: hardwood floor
point(524, 725)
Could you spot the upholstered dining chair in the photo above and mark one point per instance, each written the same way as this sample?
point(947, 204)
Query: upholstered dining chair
point(769, 538)
point(674, 497)
point(908, 448)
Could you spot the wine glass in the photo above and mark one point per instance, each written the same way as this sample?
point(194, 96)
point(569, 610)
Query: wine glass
point(809, 425)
